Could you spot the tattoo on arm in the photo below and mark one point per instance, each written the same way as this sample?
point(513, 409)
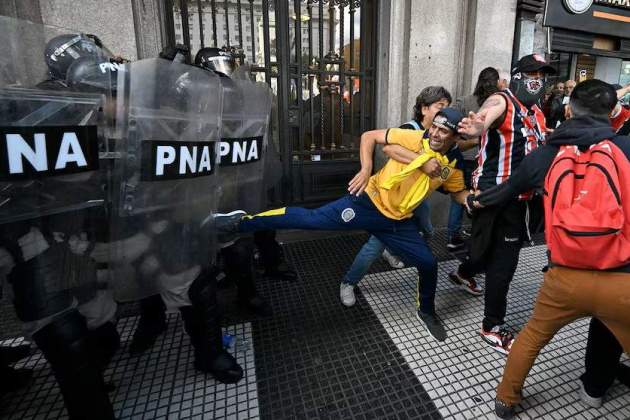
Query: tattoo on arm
point(491, 102)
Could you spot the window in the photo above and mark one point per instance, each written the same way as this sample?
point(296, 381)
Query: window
point(624, 78)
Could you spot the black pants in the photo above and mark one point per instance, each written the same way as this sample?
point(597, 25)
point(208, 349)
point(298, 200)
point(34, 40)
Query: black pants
point(497, 236)
point(269, 249)
point(601, 360)
point(239, 266)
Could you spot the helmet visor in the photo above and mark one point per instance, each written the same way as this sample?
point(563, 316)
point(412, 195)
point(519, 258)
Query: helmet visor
point(225, 65)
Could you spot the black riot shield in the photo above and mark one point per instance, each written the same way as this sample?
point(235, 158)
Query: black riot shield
point(52, 190)
point(244, 141)
point(168, 118)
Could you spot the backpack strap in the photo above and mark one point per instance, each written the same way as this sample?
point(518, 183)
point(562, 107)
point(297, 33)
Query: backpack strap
point(414, 123)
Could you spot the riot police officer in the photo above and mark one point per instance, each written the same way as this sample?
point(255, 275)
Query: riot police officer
point(47, 219)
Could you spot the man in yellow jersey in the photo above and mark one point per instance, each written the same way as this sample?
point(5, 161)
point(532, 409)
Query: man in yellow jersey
point(383, 204)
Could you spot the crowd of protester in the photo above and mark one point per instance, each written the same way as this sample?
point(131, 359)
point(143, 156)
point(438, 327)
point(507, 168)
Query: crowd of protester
point(566, 152)
point(493, 151)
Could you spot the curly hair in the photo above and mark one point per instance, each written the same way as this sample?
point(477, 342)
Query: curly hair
point(430, 95)
point(487, 84)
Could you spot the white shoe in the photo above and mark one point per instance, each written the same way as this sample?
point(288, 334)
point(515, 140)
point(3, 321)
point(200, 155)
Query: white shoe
point(393, 260)
point(346, 292)
point(587, 400)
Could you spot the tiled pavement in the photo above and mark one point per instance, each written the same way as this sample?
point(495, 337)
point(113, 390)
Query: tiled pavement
point(460, 375)
point(316, 359)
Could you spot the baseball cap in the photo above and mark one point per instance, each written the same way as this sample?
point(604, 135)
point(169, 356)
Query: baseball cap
point(531, 63)
point(448, 118)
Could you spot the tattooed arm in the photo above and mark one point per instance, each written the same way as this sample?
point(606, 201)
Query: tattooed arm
point(623, 91)
point(490, 115)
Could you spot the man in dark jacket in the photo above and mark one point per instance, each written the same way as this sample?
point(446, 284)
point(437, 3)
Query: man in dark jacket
point(567, 293)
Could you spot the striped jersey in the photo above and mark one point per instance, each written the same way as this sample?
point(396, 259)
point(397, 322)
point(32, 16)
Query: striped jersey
point(502, 149)
point(620, 119)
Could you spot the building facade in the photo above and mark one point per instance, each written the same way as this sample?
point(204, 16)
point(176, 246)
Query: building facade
point(583, 39)
point(340, 67)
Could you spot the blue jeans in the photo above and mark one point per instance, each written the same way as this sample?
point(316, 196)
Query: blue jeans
point(370, 251)
point(422, 216)
point(455, 214)
point(373, 248)
point(358, 213)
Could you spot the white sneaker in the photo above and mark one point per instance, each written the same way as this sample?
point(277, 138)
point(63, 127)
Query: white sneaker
point(587, 400)
point(393, 260)
point(346, 292)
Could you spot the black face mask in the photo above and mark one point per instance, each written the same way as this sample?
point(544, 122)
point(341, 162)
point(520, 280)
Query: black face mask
point(529, 91)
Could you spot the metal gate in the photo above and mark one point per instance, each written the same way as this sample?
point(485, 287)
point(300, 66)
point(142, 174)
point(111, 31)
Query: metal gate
point(319, 58)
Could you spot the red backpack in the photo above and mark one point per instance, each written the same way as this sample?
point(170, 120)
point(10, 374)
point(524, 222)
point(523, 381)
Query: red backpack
point(587, 207)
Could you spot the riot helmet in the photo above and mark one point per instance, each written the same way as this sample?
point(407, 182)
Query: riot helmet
point(179, 53)
point(61, 51)
point(93, 74)
point(529, 88)
point(221, 60)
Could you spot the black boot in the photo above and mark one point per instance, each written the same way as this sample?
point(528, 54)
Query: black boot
point(65, 346)
point(152, 323)
point(281, 272)
point(202, 323)
point(12, 354)
point(255, 304)
point(272, 257)
point(239, 263)
point(12, 379)
point(623, 374)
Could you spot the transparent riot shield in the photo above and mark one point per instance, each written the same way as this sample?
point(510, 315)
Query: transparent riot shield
point(165, 176)
point(52, 184)
point(244, 142)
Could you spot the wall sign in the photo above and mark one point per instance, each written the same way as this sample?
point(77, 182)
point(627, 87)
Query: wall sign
point(603, 17)
point(170, 160)
point(39, 152)
point(624, 4)
point(578, 6)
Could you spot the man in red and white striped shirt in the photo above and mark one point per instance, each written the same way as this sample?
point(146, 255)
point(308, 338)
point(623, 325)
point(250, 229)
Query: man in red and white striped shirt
point(511, 124)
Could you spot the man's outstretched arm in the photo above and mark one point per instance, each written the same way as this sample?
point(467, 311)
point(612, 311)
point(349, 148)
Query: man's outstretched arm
point(369, 139)
point(475, 124)
point(623, 91)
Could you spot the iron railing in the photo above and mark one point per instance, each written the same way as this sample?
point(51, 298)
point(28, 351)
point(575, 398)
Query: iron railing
point(319, 59)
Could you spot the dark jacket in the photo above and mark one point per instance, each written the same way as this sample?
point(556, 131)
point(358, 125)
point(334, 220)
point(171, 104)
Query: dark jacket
point(582, 131)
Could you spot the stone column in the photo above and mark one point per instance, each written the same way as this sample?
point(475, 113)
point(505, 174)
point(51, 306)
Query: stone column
point(392, 63)
point(150, 25)
point(21, 9)
point(493, 39)
point(111, 21)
